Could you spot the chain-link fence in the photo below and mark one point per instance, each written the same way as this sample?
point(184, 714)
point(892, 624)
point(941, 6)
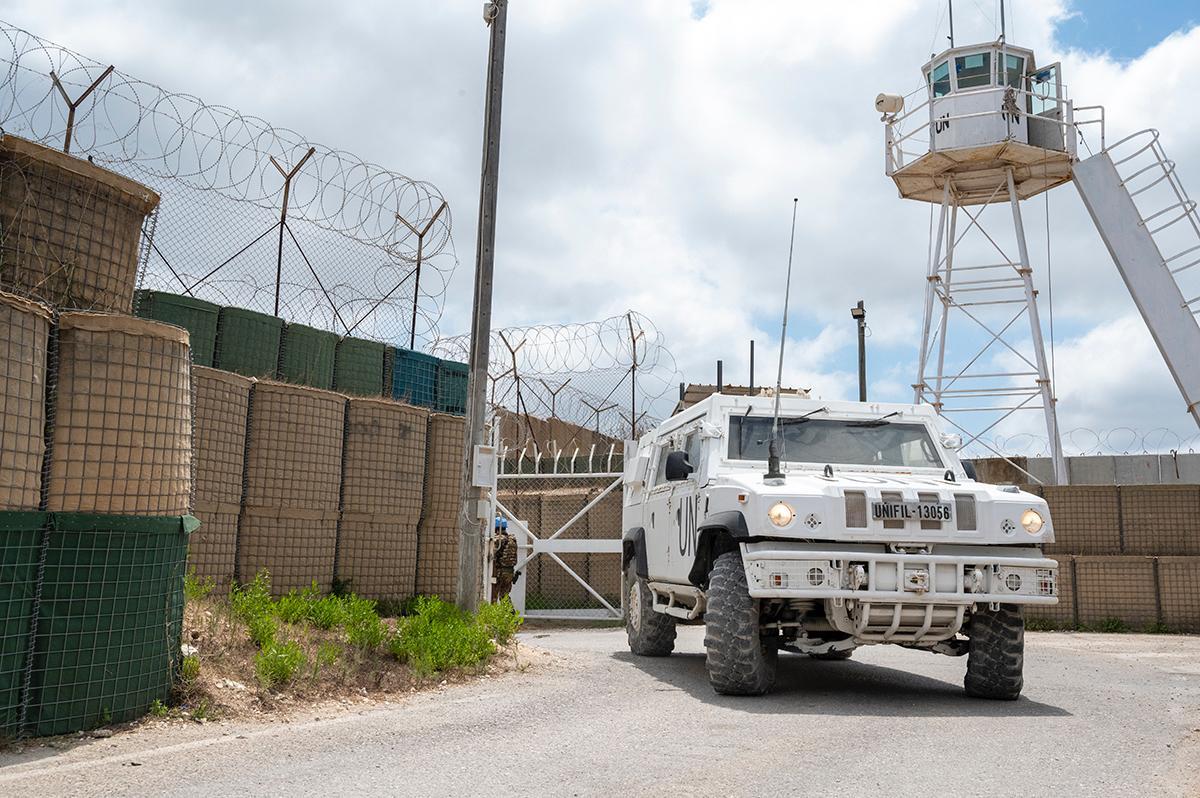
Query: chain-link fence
point(252, 216)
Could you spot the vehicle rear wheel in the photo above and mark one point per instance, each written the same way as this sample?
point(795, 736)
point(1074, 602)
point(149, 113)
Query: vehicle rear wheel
point(739, 661)
point(651, 634)
point(834, 656)
point(996, 653)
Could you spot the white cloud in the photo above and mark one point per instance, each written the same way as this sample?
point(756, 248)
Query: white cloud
point(651, 151)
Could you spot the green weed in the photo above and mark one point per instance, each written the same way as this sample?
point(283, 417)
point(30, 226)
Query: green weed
point(158, 709)
point(262, 629)
point(278, 663)
point(1112, 626)
point(363, 627)
point(500, 620)
point(438, 636)
point(252, 600)
point(195, 589)
point(292, 608)
point(327, 612)
point(189, 671)
point(203, 710)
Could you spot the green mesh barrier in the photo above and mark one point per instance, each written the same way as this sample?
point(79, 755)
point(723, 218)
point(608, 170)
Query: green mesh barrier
point(306, 356)
point(20, 544)
point(358, 367)
point(248, 342)
point(452, 387)
point(109, 620)
point(196, 316)
point(414, 377)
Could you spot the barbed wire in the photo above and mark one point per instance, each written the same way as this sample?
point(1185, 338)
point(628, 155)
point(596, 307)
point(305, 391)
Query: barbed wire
point(243, 200)
point(1082, 441)
point(609, 376)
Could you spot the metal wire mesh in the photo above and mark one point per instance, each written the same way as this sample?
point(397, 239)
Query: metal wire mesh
point(377, 555)
point(122, 418)
point(21, 536)
point(1117, 587)
point(296, 547)
point(1086, 519)
point(196, 316)
point(255, 216)
point(437, 538)
point(110, 610)
point(294, 449)
point(222, 405)
point(385, 460)
point(69, 230)
point(358, 367)
point(1179, 592)
point(24, 340)
point(1161, 519)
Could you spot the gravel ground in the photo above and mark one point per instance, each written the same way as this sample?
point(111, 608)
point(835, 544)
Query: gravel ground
point(1101, 715)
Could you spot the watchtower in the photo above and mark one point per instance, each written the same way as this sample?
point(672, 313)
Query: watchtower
point(989, 129)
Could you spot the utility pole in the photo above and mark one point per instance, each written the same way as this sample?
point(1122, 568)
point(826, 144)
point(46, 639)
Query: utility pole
point(859, 314)
point(473, 528)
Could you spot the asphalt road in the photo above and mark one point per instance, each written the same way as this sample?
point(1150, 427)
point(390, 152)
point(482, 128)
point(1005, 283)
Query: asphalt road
point(1102, 715)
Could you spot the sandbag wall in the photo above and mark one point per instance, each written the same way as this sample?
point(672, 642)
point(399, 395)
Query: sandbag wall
point(293, 471)
point(382, 495)
point(1127, 554)
point(313, 486)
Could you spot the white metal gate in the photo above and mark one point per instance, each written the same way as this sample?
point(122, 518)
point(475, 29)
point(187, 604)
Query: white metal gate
point(566, 519)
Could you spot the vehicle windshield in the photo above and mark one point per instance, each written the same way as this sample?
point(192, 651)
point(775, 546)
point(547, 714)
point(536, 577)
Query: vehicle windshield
point(835, 442)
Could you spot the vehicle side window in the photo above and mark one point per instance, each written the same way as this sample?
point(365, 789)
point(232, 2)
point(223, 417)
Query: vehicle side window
point(660, 471)
point(694, 446)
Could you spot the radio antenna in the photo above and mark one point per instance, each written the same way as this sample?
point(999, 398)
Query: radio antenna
point(773, 471)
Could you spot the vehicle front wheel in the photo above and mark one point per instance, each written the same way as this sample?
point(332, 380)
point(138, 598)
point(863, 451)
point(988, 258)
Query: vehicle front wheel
point(996, 653)
point(651, 634)
point(739, 661)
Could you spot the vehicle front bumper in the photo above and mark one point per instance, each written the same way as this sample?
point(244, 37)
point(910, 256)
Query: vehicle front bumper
point(947, 575)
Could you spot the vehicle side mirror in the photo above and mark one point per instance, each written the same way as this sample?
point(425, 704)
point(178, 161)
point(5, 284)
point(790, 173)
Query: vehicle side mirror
point(678, 466)
point(951, 441)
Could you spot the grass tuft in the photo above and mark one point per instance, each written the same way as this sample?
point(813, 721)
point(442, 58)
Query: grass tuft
point(278, 663)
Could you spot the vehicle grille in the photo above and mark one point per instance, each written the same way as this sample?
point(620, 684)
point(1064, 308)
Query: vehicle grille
point(930, 497)
point(856, 509)
point(892, 496)
point(964, 512)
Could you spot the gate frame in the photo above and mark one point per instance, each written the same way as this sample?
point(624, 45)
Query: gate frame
point(530, 545)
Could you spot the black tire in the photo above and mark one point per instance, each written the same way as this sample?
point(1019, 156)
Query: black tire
point(996, 653)
point(651, 634)
point(739, 662)
point(834, 656)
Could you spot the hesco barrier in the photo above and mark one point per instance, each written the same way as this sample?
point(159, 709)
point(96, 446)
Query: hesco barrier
point(24, 342)
point(248, 342)
point(306, 356)
point(222, 405)
point(382, 479)
point(437, 537)
point(292, 485)
point(414, 377)
point(358, 367)
point(452, 387)
point(20, 552)
point(93, 638)
point(121, 439)
point(69, 230)
point(196, 316)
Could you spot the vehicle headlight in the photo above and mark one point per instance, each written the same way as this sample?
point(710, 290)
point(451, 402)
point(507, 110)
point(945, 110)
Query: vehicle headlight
point(1032, 521)
point(780, 514)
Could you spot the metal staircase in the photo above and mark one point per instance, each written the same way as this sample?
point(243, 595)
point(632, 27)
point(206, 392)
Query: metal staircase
point(1152, 231)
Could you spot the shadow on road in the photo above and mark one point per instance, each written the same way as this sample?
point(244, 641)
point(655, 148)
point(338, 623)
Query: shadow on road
point(811, 687)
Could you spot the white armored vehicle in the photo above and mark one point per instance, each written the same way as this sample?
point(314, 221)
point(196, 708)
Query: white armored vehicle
point(870, 531)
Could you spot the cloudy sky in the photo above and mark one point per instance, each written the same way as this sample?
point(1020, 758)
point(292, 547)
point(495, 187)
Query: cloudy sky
point(651, 149)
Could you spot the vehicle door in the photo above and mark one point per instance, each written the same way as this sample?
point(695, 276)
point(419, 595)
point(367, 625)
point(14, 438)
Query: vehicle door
point(686, 509)
point(656, 512)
